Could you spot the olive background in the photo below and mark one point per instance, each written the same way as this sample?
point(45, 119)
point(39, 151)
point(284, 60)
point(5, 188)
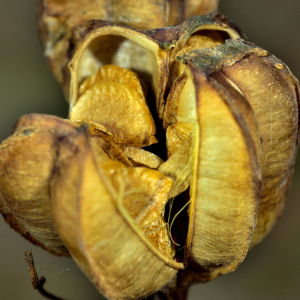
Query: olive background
point(270, 271)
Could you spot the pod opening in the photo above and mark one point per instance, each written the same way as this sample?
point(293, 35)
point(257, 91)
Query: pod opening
point(122, 52)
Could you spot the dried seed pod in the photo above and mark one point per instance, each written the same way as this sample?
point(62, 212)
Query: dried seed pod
point(155, 64)
point(149, 53)
point(220, 74)
point(225, 186)
point(127, 204)
point(222, 162)
point(273, 93)
point(26, 163)
point(189, 164)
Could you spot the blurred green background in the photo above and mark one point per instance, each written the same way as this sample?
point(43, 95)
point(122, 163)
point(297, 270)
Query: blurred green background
point(270, 271)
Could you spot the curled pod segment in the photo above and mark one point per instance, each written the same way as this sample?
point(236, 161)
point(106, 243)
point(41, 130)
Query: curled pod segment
point(226, 180)
point(234, 98)
point(273, 93)
point(26, 163)
point(114, 215)
point(224, 175)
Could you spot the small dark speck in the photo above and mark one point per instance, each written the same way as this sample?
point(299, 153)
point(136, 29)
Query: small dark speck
point(26, 132)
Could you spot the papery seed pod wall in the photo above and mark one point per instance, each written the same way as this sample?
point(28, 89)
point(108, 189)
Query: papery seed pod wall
point(19, 69)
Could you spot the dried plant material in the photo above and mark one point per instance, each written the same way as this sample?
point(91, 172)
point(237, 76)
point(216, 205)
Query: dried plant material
point(226, 183)
point(171, 107)
point(90, 197)
point(179, 136)
point(94, 127)
point(180, 112)
point(196, 7)
point(32, 270)
point(163, 13)
point(102, 143)
point(199, 40)
point(135, 14)
point(144, 56)
point(101, 43)
point(179, 167)
point(277, 122)
point(58, 19)
point(142, 158)
point(181, 119)
point(111, 73)
point(121, 109)
point(266, 88)
point(144, 197)
point(226, 126)
point(24, 179)
point(37, 283)
point(176, 135)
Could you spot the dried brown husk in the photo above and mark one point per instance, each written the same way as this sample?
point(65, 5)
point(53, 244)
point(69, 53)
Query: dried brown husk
point(88, 191)
point(231, 72)
point(273, 93)
point(103, 212)
point(26, 161)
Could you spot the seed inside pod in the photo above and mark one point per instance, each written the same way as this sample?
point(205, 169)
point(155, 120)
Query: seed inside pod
point(121, 109)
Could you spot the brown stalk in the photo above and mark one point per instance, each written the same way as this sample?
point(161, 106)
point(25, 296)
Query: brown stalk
point(37, 283)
